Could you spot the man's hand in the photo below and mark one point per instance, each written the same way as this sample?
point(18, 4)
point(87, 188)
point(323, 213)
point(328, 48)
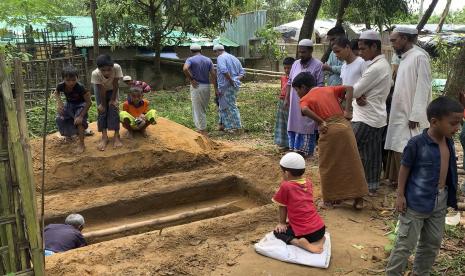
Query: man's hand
point(348, 115)
point(60, 109)
point(362, 101)
point(323, 128)
point(114, 102)
point(281, 228)
point(326, 67)
point(78, 120)
point(401, 204)
point(100, 108)
point(194, 83)
point(413, 125)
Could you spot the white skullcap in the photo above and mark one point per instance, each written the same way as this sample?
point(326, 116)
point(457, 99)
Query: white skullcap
point(406, 30)
point(127, 78)
point(218, 47)
point(292, 160)
point(306, 42)
point(75, 220)
point(195, 47)
point(370, 35)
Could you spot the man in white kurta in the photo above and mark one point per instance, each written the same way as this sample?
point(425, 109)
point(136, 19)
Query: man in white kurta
point(412, 94)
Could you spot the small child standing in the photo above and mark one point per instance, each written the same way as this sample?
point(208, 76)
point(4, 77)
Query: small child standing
point(136, 116)
point(427, 185)
point(106, 88)
point(72, 116)
point(305, 229)
point(281, 138)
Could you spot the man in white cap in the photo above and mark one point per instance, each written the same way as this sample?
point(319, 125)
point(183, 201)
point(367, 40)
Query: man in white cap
point(229, 76)
point(369, 107)
point(412, 94)
point(199, 70)
point(301, 129)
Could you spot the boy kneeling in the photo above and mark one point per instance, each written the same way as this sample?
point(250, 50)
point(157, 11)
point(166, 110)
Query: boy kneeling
point(136, 116)
point(72, 116)
point(306, 229)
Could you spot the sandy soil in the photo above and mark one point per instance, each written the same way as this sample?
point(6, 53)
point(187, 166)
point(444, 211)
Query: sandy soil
point(175, 170)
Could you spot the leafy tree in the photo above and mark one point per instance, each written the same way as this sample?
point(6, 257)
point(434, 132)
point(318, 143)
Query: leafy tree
point(153, 22)
point(269, 47)
point(26, 12)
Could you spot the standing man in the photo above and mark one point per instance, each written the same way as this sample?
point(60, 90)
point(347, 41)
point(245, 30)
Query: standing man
point(199, 70)
point(229, 76)
point(412, 94)
point(301, 129)
point(334, 64)
point(369, 108)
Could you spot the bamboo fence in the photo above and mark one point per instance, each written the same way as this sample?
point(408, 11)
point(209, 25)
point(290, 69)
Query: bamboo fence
point(21, 248)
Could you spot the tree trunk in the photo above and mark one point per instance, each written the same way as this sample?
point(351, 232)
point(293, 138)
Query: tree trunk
point(340, 19)
point(443, 16)
point(427, 15)
point(309, 20)
point(456, 81)
point(422, 3)
point(93, 8)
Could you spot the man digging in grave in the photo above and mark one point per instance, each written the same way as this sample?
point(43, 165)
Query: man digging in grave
point(64, 237)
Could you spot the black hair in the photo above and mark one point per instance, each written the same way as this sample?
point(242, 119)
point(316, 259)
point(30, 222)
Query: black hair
point(294, 172)
point(443, 106)
point(69, 71)
point(342, 41)
point(354, 44)
point(288, 61)
point(304, 78)
point(337, 31)
point(196, 51)
point(135, 89)
point(370, 42)
point(104, 60)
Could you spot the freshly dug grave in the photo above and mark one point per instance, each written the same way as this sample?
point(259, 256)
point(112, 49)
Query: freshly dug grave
point(172, 173)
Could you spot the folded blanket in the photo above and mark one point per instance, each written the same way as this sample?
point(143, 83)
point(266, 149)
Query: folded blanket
point(274, 248)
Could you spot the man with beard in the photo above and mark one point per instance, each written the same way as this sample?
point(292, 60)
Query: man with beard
point(412, 94)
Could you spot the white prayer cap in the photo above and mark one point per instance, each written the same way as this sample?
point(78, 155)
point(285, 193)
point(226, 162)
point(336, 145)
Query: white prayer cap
point(218, 47)
point(195, 47)
point(370, 35)
point(406, 30)
point(292, 160)
point(306, 42)
point(127, 78)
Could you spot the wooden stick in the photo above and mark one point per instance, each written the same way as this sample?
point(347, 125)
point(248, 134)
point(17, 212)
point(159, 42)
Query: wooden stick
point(21, 169)
point(157, 222)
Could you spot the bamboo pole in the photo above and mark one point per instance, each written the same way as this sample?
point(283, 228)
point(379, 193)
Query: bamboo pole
point(6, 231)
point(21, 169)
point(158, 221)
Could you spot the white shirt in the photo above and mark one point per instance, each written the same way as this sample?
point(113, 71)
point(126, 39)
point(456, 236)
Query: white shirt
point(412, 94)
point(374, 84)
point(351, 73)
point(98, 78)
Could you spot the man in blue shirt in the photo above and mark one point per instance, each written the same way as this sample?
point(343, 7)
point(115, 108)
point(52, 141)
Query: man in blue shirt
point(229, 75)
point(427, 185)
point(199, 70)
point(334, 65)
point(64, 237)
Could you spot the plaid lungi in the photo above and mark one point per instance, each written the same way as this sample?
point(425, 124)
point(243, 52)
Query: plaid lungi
point(65, 122)
point(229, 113)
point(109, 119)
point(302, 143)
point(280, 129)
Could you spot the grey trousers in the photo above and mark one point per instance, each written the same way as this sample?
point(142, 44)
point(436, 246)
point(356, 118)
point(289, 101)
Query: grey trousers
point(200, 97)
point(423, 231)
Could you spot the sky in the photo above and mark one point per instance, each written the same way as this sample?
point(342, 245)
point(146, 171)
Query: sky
point(455, 5)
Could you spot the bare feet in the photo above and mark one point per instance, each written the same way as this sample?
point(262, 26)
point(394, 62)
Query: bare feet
point(316, 247)
point(325, 205)
point(102, 144)
point(144, 133)
point(372, 193)
point(130, 134)
point(117, 142)
point(358, 203)
point(79, 149)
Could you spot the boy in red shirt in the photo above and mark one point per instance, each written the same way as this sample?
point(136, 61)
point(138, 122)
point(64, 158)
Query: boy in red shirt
point(136, 116)
point(305, 229)
point(282, 114)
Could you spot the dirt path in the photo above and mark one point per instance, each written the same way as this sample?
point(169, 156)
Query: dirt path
point(177, 170)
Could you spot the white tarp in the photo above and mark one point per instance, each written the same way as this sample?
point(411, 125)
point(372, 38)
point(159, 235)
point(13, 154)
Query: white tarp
point(275, 248)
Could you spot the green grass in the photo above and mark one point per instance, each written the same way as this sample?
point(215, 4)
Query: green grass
point(257, 103)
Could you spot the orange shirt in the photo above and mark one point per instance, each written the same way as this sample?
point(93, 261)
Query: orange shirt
point(284, 81)
point(136, 111)
point(324, 101)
